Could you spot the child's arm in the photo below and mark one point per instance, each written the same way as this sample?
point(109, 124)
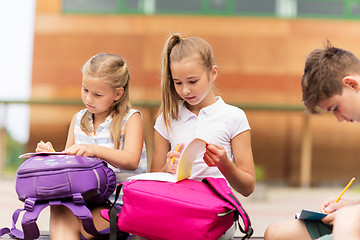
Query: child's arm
point(240, 175)
point(127, 159)
point(70, 138)
point(162, 157)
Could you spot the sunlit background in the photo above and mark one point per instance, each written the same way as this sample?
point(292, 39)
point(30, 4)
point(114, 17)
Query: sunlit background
point(259, 45)
point(16, 47)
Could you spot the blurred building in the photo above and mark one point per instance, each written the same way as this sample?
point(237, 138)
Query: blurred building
point(259, 45)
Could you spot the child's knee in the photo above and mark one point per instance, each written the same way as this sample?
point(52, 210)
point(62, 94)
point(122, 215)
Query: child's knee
point(56, 210)
point(346, 224)
point(272, 232)
point(351, 213)
point(63, 218)
point(61, 212)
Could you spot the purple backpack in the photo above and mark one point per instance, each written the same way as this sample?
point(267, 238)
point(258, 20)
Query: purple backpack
point(67, 180)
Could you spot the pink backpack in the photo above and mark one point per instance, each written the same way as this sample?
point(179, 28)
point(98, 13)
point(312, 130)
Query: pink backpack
point(67, 180)
point(188, 210)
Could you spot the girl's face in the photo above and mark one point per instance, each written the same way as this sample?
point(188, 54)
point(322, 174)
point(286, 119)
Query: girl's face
point(193, 83)
point(98, 96)
point(347, 105)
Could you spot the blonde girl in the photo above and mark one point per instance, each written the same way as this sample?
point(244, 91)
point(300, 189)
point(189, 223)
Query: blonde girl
point(108, 128)
point(190, 109)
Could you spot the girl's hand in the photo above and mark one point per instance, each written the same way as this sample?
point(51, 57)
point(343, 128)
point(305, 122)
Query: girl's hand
point(86, 150)
point(44, 147)
point(172, 159)
point(215, 155)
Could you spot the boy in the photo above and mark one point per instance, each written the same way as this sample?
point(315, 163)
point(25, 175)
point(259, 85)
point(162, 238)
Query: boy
point(331, 81)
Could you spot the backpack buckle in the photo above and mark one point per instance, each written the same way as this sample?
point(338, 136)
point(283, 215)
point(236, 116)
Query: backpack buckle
point(250, 231)
point(29, 204)
point(78, 199)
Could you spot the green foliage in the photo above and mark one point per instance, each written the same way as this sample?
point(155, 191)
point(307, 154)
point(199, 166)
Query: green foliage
point(13, 150)
point(259, 172)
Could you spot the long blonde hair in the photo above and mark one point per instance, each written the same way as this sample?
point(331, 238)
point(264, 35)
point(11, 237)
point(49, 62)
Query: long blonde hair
point(113, 70)
point(178, 47)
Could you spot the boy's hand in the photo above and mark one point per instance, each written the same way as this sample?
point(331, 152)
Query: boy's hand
point(329, 219)
point(331, 206)
point(44, 147)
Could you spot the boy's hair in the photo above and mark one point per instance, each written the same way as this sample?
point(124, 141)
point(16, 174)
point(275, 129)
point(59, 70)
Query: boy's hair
point(323, 74)
point(178, 47)
point(113, 70)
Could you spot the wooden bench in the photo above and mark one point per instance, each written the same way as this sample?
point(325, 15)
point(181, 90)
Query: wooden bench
point(47, 237)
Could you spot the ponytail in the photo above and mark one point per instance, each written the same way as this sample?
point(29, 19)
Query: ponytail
point(178, 47)
point(170, 100)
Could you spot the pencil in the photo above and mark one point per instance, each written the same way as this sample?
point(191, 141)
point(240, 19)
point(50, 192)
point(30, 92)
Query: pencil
point(51, 149)
point(173, 158)
point(346, 188)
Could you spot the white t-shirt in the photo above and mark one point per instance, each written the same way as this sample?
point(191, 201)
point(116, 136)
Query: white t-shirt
point(216, 124)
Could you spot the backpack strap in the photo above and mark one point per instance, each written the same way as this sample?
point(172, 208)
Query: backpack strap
point(29, 220)
point(30, 228)
point(28, 223)
point(114, 214)
point(221, 187)
point(13, 232)
point(4, 231)
point(84, 214)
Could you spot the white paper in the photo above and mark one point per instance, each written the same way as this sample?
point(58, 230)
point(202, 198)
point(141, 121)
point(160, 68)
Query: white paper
point(156, 176)
point(188, 156)
point(184, 168)
point(29, 155)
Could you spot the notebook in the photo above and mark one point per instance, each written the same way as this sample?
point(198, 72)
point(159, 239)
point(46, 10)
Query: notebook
point(310, 215)
point(184, 168)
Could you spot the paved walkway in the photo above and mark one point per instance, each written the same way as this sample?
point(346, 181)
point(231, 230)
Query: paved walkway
point(281, 203)
point(263, 206)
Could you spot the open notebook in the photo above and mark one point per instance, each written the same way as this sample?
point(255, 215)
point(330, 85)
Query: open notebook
point(29, 155)
point(192, 150)
point(309, 215)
